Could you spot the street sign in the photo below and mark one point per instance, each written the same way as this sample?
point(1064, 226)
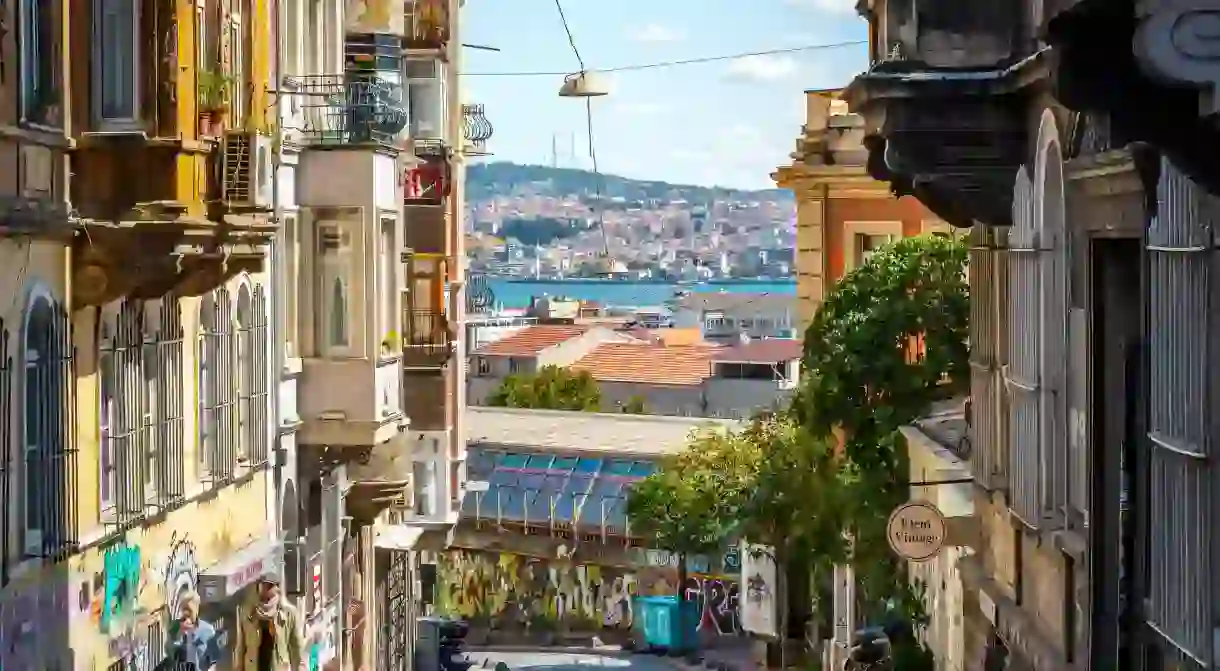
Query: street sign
point(916, 531)
point(477, 485)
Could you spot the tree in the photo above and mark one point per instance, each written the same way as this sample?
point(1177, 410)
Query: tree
point(552, 388)
point(890, 340)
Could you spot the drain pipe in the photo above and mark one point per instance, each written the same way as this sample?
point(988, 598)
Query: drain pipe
point(280, 291)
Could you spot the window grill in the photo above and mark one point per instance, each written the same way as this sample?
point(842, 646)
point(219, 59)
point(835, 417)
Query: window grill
point(49, 482)
point(123, 399)
point(168, 425)
point(218, 406)
point(252, 380)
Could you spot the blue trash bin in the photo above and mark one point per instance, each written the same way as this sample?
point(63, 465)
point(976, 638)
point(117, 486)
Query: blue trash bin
point(662, 626)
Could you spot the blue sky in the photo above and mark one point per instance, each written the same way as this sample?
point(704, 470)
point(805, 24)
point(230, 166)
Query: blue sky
point(728, 123)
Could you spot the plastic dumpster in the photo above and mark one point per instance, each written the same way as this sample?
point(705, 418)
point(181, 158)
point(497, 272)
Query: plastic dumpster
point(660, 626)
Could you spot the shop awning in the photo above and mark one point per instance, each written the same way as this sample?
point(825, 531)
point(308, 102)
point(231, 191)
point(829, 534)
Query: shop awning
point(229, 576)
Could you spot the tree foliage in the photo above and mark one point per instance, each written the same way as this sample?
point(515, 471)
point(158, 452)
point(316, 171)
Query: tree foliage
point(552, 388)
point(635, 406)
point(890, 340)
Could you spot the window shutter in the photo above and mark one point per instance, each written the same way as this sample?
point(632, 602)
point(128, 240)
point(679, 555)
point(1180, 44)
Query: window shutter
point(1022, 377)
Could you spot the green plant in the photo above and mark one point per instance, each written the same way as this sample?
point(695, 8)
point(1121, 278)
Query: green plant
point(552, 388)
point(635, 406)
point(213, 89)
point(390, 342)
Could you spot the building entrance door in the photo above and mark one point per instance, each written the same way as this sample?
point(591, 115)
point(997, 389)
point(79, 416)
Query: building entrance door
point(396, 611)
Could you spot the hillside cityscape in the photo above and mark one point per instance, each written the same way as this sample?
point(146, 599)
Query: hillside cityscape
point(540, 222)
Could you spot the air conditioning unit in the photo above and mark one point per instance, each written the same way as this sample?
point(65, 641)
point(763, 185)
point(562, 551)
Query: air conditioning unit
point(246, 173)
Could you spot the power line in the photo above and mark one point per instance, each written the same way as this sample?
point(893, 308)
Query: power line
point(567, 29)
point(667, 64)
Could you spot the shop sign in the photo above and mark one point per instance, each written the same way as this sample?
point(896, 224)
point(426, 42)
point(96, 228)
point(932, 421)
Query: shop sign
point(230, 577)
point(916, 531)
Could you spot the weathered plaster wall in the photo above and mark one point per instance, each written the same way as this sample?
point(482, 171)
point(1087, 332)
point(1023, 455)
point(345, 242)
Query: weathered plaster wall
point(511, 591)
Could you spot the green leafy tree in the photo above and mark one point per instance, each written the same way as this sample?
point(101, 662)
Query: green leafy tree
point(890, 340)
point(552, 388)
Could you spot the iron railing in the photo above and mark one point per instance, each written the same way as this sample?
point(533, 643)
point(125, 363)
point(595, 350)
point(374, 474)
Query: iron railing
point(218, 403)
point(48, 479)
point(350, 109)
point(167, 436)
point(427, 24)
point(426, 338)
point(476, 129)
point(480, 297)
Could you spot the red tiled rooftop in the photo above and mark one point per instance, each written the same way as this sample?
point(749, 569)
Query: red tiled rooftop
point(648, 363)
point(770, 350)
point(532, 340)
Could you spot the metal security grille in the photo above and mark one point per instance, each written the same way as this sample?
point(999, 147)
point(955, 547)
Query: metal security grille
point(7, 472)
point(48, 421)
point(124, 399)
point(1022, 375)
point(260, 338)
point(1180, 511)
point(167, 435)
point(218, 388)
point(395, 639)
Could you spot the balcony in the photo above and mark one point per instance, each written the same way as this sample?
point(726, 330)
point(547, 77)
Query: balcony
point(476, 130)
point(427, 25)
point(351, 402)
point(943, 110)
point(353, 109)
point(427, 340)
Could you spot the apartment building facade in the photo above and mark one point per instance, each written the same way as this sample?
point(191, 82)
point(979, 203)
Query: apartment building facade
point(374, 136)
point(843, 215)
point(1074, 139)
point(187, 289)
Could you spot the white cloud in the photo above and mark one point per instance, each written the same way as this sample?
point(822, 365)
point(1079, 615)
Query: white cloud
point(654, 32)
point(842, 7)
point(762, 68)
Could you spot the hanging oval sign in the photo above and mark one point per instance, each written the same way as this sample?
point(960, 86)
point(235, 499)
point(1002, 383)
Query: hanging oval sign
point(916, 531)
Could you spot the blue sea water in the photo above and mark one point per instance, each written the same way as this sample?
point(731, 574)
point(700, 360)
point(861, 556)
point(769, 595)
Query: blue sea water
point(516, 293)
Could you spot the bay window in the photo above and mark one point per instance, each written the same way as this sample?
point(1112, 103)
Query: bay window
point(333, 292)
point(427, 98)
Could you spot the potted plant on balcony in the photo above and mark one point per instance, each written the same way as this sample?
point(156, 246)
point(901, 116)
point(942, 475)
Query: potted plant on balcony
point(213, 97)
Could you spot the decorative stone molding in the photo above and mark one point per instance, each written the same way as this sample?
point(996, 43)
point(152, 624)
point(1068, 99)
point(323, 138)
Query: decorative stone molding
point(1178, 41)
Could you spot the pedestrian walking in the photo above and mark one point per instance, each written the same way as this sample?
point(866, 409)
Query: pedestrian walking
point(192, 641)
point(268, 631)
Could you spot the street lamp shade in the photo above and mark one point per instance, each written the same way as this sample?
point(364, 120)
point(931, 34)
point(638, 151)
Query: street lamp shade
point(584, 85)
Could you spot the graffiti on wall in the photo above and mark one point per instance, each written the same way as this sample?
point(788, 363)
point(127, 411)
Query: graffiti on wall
point(181, 575)
point(121, 573)
point(509, 590)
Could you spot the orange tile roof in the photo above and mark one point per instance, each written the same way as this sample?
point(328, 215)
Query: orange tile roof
point(648, 363)
point(532, 340)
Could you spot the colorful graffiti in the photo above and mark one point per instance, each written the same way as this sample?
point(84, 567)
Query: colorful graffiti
point(121, 574)
point(509, 591)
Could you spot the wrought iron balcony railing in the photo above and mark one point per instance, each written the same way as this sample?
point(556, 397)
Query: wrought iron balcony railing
point(426, 338)
point(351, 109)
point(427, 24)
point(476, 129)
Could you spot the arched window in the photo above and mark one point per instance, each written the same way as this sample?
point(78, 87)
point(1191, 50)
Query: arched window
point(48, 474)
point(122, 417)
point(245, 372)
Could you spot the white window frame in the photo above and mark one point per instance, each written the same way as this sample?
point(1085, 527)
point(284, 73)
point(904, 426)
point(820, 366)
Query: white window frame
point(339, 266)
point(291, 245)
point(388, 290)
point(238, 112)
point(435, 85)
point(102, 63)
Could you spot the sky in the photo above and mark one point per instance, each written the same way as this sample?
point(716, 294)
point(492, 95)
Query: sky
point(727, 123)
